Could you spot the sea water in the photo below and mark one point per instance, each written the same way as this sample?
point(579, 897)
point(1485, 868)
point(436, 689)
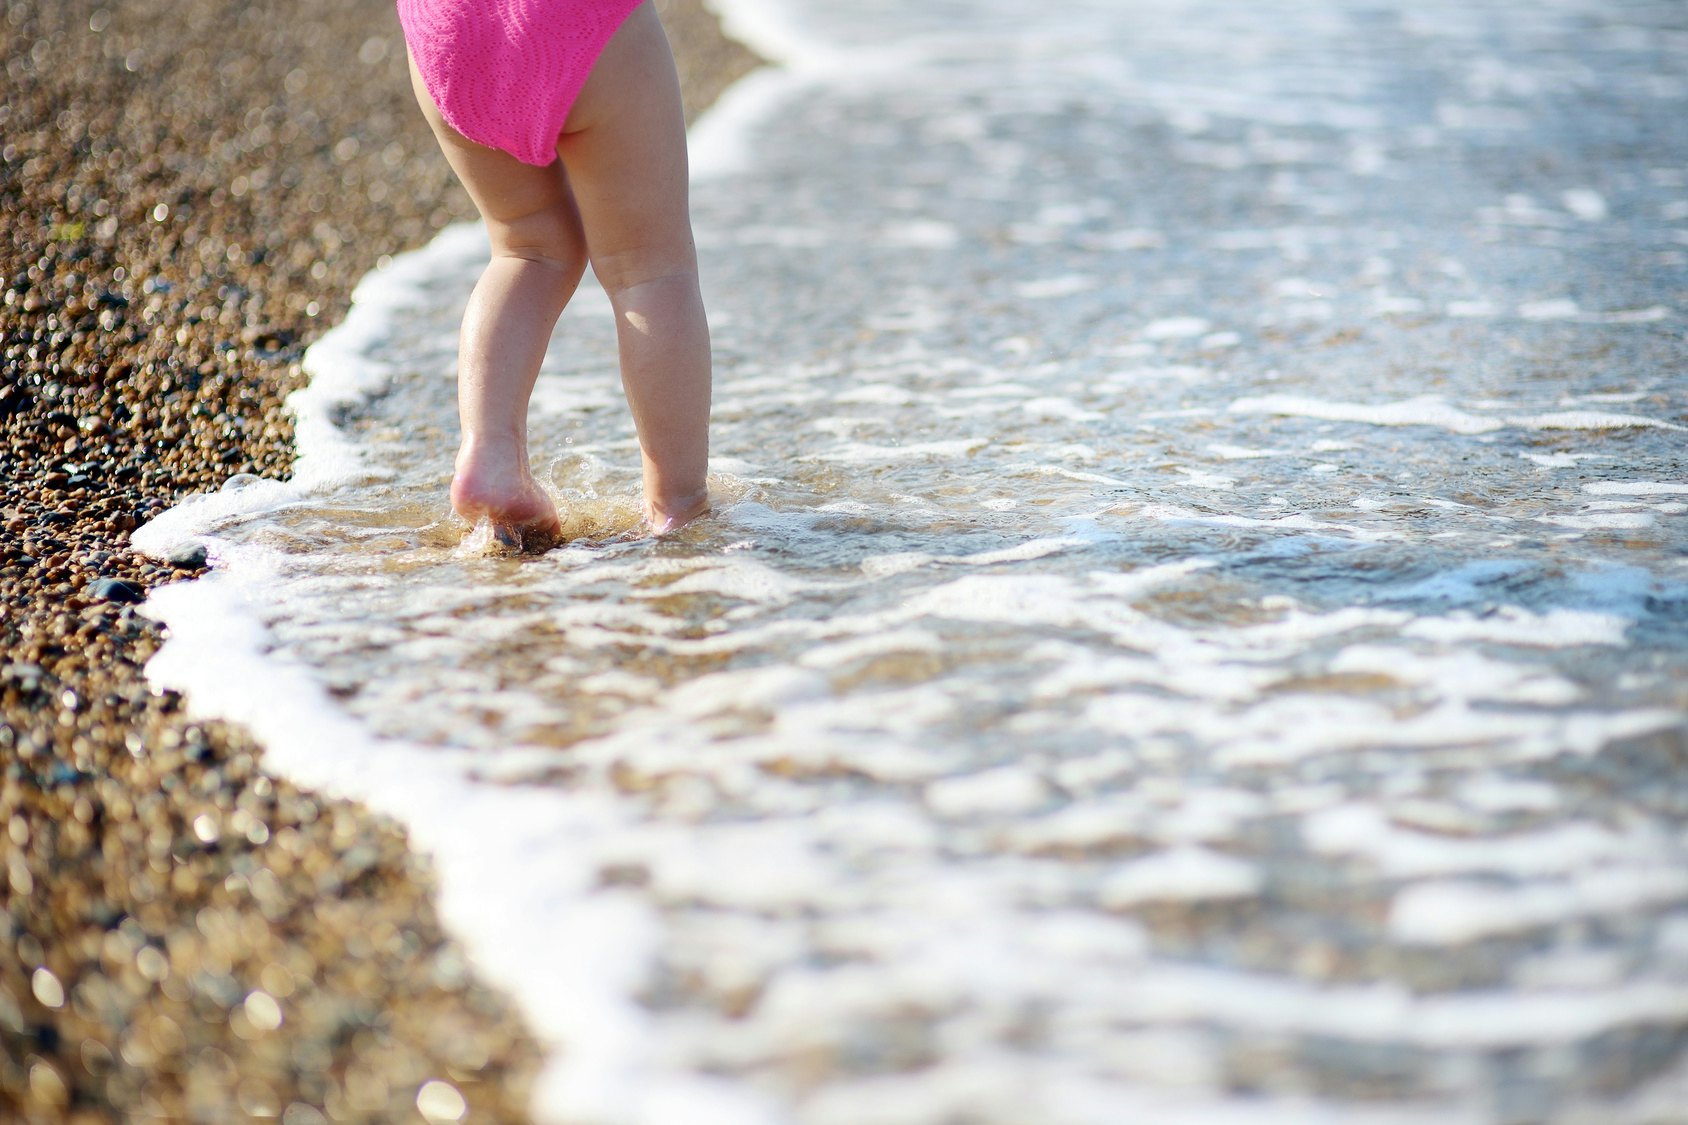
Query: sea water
point(1192, 625)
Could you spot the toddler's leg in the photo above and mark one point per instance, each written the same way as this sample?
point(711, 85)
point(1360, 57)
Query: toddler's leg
point(538, 256)
point(625, 150)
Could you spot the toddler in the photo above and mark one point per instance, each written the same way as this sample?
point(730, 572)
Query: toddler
point(562, 119)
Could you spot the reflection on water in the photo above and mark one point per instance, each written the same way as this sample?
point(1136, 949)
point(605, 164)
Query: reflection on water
point(1193, 618)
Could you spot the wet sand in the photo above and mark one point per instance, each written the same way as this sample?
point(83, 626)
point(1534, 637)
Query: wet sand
point(191, 191)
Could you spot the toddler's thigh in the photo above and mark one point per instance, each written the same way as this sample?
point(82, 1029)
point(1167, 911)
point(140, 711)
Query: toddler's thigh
point(525, 207)
point(625, 150)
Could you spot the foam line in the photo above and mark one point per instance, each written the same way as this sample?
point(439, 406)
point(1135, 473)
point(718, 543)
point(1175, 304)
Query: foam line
point(1429, 410)
point(573, 960)
point(768, 29)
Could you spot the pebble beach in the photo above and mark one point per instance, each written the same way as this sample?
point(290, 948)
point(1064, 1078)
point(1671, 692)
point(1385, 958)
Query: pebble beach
point(191, 190)
point(1189, 629)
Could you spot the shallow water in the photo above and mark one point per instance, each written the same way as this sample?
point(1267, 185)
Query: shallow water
point(1193, 623)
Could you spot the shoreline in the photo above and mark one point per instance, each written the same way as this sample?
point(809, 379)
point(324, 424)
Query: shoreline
point(195, 191)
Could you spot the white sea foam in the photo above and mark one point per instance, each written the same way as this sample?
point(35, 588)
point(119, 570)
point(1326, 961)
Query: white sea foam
point(1448, 913)
point(1586, 204)
point(719, 143)
point(1636, 488)
point(1065, 285)
point(1007, 790)
point(1514, 626)
point(1555, 308)
point(1366, 831)
point(1184, 873)
point(1176, 328)
point(1603, 520)
point(1422, 411)
point(1431, 411)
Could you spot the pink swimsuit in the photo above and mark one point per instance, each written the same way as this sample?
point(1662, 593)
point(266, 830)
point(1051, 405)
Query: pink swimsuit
point(504, 73)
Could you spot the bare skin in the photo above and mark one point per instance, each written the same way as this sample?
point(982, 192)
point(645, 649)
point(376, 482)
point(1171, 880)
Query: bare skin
point(617, 200)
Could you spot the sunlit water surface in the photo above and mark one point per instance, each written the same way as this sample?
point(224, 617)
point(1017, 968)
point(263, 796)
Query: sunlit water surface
point(1193, 623)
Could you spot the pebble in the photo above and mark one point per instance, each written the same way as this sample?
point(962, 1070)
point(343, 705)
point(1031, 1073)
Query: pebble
point(188, 556)
point(118, 590)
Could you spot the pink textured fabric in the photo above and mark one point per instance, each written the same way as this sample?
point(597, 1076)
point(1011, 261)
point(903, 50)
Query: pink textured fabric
point(504, 73)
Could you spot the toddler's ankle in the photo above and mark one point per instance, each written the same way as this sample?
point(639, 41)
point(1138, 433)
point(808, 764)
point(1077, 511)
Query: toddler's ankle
point(498, 453)
point(667, 514)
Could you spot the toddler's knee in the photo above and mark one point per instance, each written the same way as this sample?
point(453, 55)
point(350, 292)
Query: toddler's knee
point(626, 270)
point(546, 237)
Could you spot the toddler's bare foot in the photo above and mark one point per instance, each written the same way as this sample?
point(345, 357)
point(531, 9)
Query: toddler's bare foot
point(505, 494)
point(672, 516)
